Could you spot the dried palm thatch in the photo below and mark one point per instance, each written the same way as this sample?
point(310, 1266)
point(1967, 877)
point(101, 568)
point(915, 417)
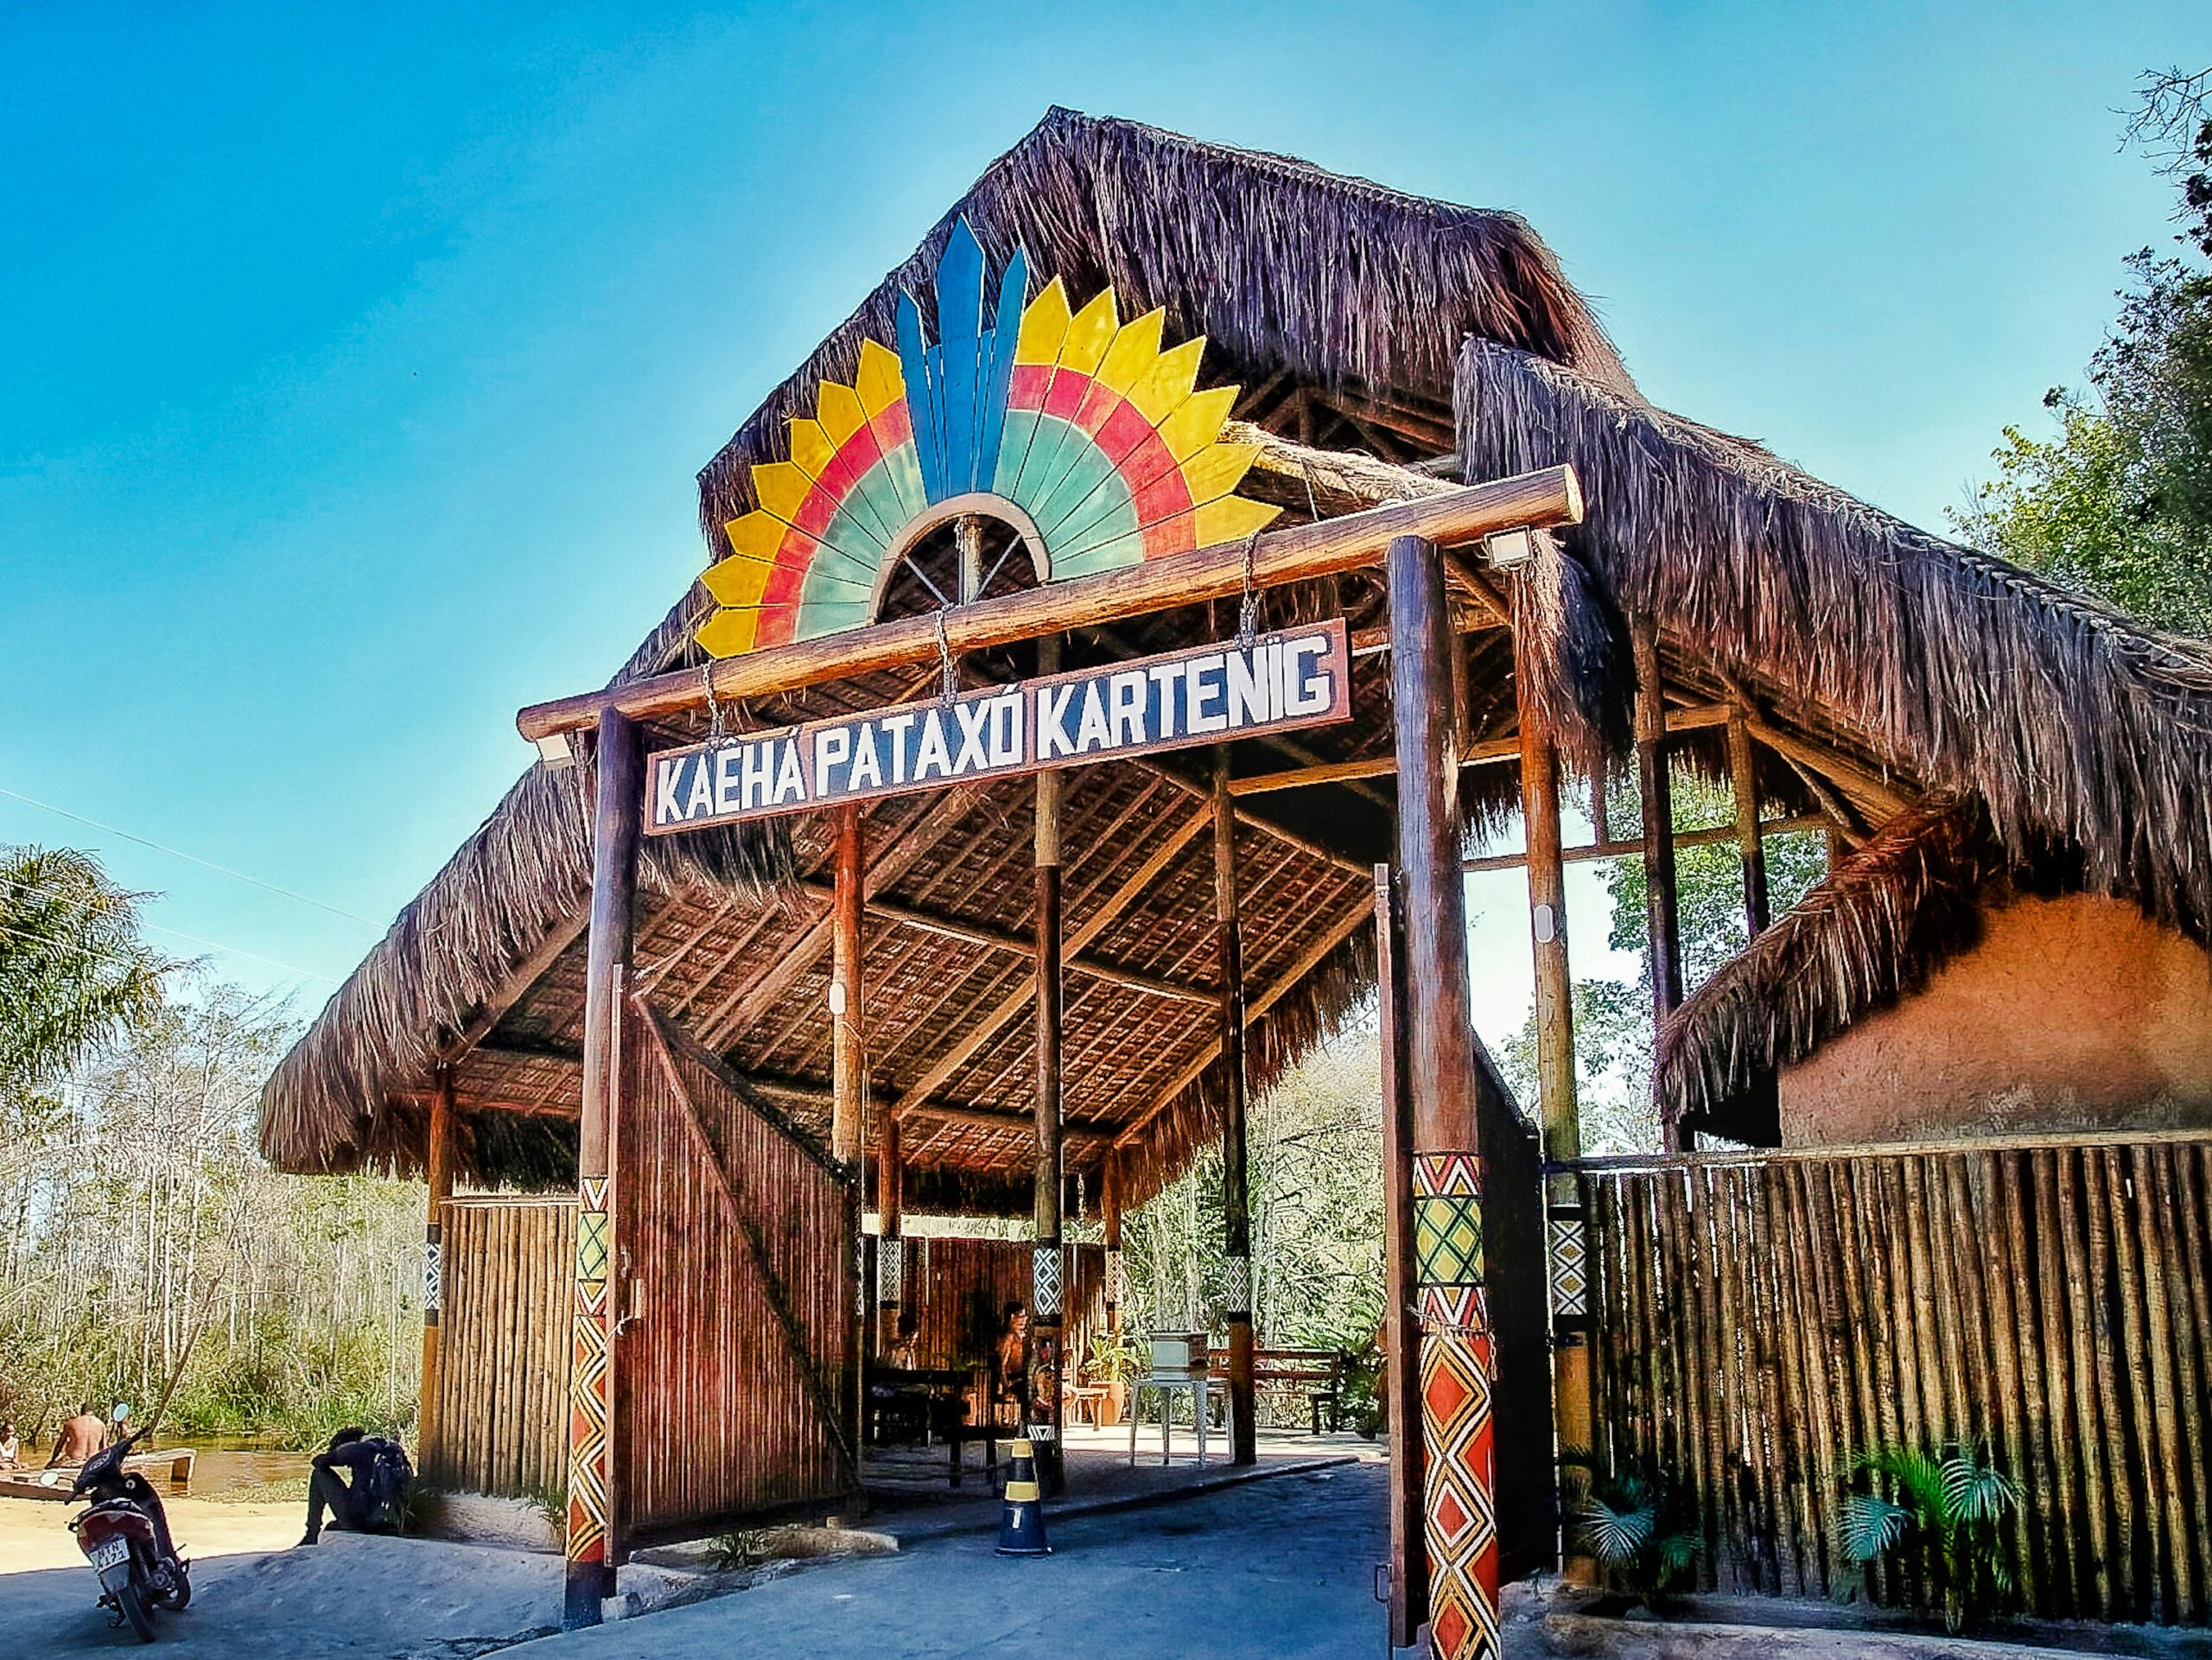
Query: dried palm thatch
point(1869, 932)
point(2077, 732)
point(1225, 240)
point(525, 872)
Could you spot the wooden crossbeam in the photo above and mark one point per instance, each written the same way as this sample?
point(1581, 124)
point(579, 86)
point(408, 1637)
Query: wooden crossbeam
point(746, 1005)
point(972, 1042)
point(1296, 553)
point(512, 989)
point(1615, 849)
point(1308, 960)
point(934, 922)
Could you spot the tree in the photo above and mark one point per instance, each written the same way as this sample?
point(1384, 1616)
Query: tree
point(2118, 504)
point(1612, 1018)
point(72, 968)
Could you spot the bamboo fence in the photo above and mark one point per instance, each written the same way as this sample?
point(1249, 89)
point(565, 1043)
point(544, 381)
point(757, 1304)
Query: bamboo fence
point(1757, 1320)
point(503, 1388)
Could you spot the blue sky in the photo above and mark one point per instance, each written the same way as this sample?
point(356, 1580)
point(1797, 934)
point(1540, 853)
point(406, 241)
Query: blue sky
point(353, 378)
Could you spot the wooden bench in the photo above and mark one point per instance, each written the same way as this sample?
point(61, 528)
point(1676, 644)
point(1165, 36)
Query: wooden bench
point(1319, 1372)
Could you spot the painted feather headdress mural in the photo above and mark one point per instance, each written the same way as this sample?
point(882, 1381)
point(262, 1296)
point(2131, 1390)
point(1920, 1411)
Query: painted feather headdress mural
point(1079, 429)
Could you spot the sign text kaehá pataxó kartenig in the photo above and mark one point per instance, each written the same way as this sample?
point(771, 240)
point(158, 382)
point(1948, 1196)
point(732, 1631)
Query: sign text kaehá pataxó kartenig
point(1295, 678)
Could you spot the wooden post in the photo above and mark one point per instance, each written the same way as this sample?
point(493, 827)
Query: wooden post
point(593, 1540)
point(1236, 1196)
point(1743, 773)
point(438, 1160)
point(1400, 1336)
point(1047, 1265)
point(1656, 788)
point(890, 1245)
point(1559, 1115)
point(1456, 1368)
point(1117, 1286)
point(848, 1058)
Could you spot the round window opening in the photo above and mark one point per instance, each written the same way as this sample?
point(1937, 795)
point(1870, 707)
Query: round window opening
point(969, 548)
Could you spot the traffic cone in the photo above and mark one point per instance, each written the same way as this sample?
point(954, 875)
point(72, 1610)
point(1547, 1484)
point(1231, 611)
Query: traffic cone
point(1021, 1520)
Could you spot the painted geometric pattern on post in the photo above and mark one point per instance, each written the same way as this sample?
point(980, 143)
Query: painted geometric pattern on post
point(1044, 1281)
point(1461, 1524)
point(1086, 424)
point(1448, 1238)
point(588, 1381)
point(1569, 1265)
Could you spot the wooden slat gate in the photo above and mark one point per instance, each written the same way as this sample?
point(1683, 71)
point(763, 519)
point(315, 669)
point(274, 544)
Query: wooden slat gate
point(1756, 1319)
point(503, 1385)
point(737, 1362)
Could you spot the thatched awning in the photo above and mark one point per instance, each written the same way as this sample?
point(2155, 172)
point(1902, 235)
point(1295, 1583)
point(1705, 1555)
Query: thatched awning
point(1945, 689)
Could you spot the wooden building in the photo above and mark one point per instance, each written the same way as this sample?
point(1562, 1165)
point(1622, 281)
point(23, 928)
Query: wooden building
point(1136, 398)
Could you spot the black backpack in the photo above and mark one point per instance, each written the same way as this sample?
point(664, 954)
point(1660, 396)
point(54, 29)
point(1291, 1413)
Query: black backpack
point(385, 1482)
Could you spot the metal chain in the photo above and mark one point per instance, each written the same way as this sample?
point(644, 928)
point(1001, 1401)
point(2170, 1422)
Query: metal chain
point(951, 687)
point(716, 735)
point(1248, 610)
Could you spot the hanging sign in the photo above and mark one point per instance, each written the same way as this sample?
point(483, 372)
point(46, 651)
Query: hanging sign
point(1206, 694)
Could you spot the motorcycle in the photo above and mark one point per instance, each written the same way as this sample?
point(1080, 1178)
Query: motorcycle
point(126, 1536)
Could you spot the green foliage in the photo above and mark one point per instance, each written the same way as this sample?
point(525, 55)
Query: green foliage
point(746, 1547)
point(1612, 1018)
point(141, 1237)
point(2118, 503)
point(1637, 1524)
point(1316, 1178)
point(1113, 1360)
point(72, 969)
point(1938, 1517)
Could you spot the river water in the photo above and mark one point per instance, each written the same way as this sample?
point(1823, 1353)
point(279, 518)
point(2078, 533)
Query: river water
point(224, 1466)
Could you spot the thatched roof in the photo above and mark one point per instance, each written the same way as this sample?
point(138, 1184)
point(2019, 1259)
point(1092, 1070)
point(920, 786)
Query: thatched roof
point(2076, 743)
point(483, 970)
point(1884, 669)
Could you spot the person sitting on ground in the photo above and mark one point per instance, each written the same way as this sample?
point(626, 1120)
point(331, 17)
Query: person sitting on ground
point(1010, 1368)
point(374, 1499)
point(11, 1447)
point(79, 1437)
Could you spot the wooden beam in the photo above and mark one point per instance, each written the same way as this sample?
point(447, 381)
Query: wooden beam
point(1696, 838)
point(848, 1053)
point(1255, 1009)
point(1656, 788)
point(1297, 553)
point(972, 1041)
point(973, 933)
point(746, 1005)
point(1047, 1276)
point(1558, 1115)
point(515, 986)
point(594, 1541)
point(438, 1178)
point(1474, 754)
point(1236, 1196)
point(1750, 844)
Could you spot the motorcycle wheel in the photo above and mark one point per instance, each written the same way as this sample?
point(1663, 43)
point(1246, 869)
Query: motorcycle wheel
point(180, 1596)
point(133, 1608)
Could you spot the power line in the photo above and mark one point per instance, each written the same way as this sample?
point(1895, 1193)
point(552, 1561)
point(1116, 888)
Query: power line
point(174, 934)
point(190, 858)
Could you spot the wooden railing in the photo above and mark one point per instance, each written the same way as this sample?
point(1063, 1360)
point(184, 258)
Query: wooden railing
point(503, 1384)
point(1756, 1319)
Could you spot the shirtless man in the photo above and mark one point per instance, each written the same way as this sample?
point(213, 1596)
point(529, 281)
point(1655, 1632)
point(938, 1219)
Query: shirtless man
point(80, 1437)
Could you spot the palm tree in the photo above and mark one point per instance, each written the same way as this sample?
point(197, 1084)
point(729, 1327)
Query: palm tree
point(1938, 1514)
point(72, 968)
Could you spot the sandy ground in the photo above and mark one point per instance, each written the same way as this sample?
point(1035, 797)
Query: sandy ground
point(35, 1534)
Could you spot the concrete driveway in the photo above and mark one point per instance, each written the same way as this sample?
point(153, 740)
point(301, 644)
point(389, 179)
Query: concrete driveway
point(1274, 1570)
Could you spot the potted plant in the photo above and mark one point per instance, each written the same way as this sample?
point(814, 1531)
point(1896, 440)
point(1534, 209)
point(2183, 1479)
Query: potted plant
point(1115, 1363)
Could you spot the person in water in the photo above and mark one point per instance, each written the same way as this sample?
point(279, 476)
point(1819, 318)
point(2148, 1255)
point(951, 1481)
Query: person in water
point(79, 1438)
